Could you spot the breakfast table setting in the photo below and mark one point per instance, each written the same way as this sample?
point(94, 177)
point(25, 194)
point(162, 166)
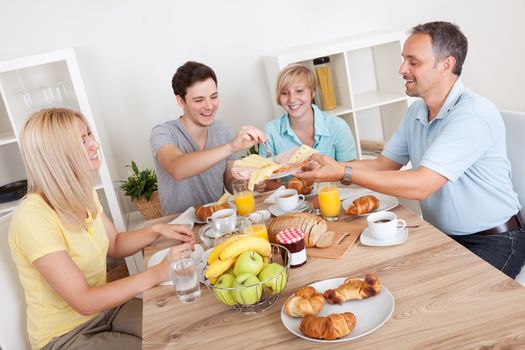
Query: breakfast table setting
point(429, 293)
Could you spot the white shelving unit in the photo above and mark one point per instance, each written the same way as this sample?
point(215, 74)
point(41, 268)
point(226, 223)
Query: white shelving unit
point(369, 90)
point(29, 84)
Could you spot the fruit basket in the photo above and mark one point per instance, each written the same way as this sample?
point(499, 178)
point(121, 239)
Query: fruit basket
point(248, 292)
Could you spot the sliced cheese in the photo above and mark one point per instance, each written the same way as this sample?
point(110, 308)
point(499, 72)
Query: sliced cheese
point(302, 153)
point(253, 161)
point(261, 174)
point(224, 198)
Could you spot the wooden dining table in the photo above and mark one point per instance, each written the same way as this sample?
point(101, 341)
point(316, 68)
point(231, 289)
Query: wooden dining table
point(445, 298)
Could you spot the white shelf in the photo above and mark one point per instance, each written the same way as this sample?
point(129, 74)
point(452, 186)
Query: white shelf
point(376, 99)
point(7, 138)
point(8, 206)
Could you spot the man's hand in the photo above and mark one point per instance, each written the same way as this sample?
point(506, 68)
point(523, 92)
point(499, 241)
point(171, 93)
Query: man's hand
point(247, 137)
point(321, 169)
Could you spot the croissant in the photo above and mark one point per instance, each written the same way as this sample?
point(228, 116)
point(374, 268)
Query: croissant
point(362, 205)
point(204, 211)
point(330, 327)
point(354, 288)
point(300, 185)
point(306, 301)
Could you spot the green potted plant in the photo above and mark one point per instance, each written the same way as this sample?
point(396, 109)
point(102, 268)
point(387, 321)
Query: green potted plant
point(141, 186)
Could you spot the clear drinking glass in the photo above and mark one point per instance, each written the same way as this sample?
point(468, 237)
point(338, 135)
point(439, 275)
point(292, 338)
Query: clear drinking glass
point(243, 198)
point(256, 226)
point(184, 276)
point(329, 202)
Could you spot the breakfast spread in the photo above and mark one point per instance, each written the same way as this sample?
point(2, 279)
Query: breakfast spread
point(354, 289)
point(314, 228)
point(330, 327)
point(363, 205)
point(256, 168)
point(305, 301)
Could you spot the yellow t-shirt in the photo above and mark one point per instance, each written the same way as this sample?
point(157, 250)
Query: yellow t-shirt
point(36, 231)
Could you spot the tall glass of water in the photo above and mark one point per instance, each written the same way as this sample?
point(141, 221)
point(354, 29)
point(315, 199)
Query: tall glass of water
point(184, 276)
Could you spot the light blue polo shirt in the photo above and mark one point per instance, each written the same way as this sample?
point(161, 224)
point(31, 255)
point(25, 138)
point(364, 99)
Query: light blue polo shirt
point(465, 143)
point(332, 136)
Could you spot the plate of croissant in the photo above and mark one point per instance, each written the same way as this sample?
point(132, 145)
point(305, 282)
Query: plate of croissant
point(338, 309)
point(369, 203)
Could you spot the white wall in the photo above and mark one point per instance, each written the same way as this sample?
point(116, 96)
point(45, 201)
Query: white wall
point(129, 50)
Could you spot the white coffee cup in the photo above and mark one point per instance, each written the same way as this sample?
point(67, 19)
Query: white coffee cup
point(288, 199)
point(224, 220)
point(384, 225)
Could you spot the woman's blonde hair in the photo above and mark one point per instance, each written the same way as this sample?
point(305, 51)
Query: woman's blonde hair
point(293, 74)
point(57, 164)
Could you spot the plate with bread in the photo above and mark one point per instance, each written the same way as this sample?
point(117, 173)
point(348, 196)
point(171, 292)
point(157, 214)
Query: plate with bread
point(202, 212)
point(369, 203)
point(338, 309)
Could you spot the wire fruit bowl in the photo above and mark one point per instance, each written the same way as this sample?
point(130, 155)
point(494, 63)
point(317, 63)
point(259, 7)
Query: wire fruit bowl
point(260, 296)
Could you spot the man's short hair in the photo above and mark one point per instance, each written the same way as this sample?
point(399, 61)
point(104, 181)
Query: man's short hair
point(447, 40)
point(188, 74)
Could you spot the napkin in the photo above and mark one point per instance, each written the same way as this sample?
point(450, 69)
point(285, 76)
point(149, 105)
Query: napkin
point(271, 198)
point(186, 218)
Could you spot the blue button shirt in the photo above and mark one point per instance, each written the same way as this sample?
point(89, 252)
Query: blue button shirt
point(465, 143)
point(332, 136)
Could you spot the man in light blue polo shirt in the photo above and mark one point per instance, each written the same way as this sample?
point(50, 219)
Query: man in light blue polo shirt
point(455, 140)
point(303, 122)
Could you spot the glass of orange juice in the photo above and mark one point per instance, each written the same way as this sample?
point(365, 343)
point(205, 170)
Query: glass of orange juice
point(243, 197)
point(329, 202)
point(256, 226)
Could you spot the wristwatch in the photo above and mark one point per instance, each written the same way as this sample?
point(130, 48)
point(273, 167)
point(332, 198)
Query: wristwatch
point(347, 176)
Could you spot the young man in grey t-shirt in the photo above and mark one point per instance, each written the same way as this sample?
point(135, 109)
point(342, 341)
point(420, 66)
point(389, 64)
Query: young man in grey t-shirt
point(194, 154)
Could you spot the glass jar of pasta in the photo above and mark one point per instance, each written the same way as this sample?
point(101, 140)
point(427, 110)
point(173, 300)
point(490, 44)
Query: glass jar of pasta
point(325, 84)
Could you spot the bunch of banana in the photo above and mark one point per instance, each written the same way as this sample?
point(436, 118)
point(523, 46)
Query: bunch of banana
point(225, 254)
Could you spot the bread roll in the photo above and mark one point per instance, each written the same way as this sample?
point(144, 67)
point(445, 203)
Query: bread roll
point(300, 185)
point(312, 226)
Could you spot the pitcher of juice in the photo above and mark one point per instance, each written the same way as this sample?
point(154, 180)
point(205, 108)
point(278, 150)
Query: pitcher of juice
point(329, 201)
point(243, 197)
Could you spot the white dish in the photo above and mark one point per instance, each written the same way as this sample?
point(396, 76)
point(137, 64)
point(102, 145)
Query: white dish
point(370, 313)
point(385, 202)
point(276, 211)
point(399, 238)
point(283, 174)
point(159, 256)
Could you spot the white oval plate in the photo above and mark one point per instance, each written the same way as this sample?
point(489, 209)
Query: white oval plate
point(370, 313)
point(385, 202)
point(159, 256)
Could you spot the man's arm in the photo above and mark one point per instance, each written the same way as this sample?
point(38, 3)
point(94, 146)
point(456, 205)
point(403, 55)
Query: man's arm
point(182, 166)
point(381, 174)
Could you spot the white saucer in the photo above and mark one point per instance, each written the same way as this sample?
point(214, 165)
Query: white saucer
point(276, 211)
point(400, 237)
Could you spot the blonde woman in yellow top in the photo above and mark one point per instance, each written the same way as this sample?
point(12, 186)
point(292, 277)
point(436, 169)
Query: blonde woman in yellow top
point(59, 239)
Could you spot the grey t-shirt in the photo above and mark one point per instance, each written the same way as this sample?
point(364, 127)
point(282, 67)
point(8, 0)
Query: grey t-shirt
point(177, 196)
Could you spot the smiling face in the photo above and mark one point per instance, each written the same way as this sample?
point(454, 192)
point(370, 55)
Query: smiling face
point(296, 99)
point(200, 103)
point(420, 70)
point(90, 144)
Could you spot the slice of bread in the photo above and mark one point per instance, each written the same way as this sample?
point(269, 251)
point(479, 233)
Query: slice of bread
point(326, 240)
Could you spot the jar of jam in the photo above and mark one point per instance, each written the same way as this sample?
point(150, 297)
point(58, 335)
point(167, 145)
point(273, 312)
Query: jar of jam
point(293, 240)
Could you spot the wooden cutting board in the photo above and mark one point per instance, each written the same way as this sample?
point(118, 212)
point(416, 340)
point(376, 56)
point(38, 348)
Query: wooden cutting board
point(346, 233)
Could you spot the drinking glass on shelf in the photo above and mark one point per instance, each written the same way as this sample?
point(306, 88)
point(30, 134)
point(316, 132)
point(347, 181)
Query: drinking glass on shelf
point(184, 276)
point(243, 197)
point(329, 200)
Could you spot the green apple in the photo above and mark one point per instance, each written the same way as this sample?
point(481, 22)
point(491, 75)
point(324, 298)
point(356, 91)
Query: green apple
point(248, 261)
point(278, 283)
point(223, 295)
point(248, 293)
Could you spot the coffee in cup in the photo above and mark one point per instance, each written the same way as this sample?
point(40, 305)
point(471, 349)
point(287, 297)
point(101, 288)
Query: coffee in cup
point(384, 225)
point(288, 199)
point(224, 220)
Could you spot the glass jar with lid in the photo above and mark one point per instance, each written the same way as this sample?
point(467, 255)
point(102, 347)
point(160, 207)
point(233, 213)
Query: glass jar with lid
point(325, 83)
